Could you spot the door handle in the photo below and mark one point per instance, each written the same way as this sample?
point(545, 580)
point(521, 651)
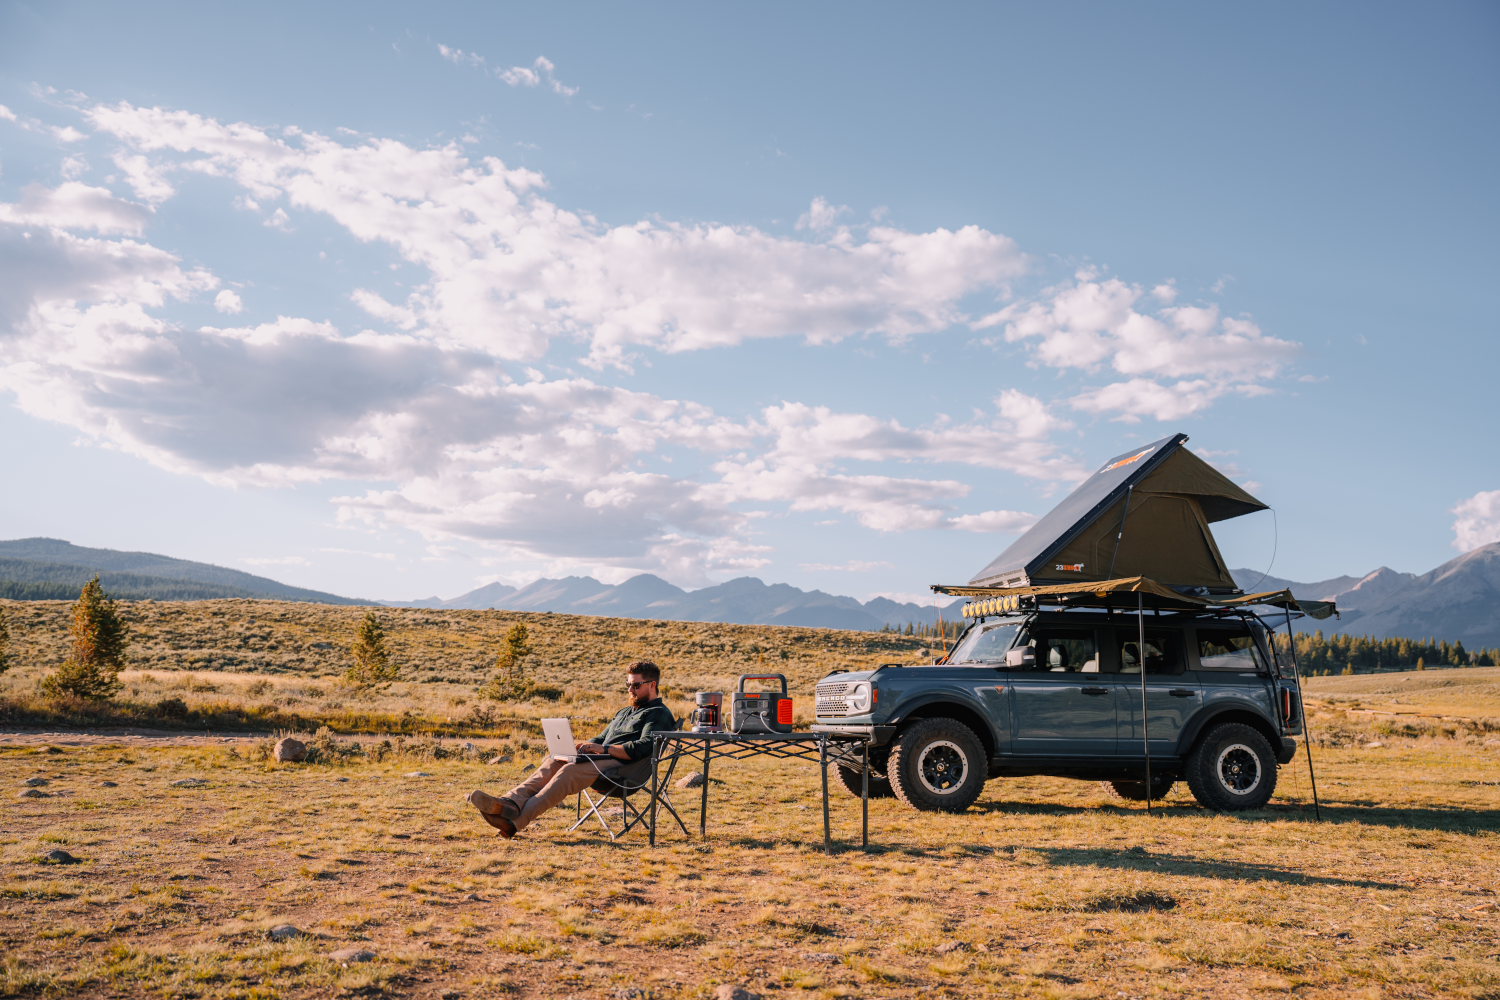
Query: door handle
point(1095, 690)
point(1181, 693)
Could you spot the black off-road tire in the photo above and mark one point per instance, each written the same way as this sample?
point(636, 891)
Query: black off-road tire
point(938, 765)
point(1135, 791)
point(1232, 768)
point(849, 779)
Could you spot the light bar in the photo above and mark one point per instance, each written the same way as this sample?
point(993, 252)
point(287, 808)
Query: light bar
point(995, 606)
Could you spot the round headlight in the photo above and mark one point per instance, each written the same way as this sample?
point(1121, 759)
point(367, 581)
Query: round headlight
point(859, 698)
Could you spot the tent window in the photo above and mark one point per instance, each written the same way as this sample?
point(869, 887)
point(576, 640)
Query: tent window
point(1163, 652)
point(1226, 650)
point(985, 644)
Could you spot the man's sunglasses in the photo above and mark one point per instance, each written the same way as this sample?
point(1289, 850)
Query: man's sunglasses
point(631, 686)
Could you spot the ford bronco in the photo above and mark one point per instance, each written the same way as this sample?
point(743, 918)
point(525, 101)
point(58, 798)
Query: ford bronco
point(1060, 693)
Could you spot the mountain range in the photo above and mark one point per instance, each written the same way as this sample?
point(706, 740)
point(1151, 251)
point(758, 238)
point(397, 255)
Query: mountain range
point(42, 569)
point(1460, 600)
point(744, 601)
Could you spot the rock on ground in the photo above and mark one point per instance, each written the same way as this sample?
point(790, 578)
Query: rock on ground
point(31, 793)
point(108, 784)
point(284, 932)
point(288, 749)
point(948, 947)
point(502, 759)
point(189, 783)
point(348, 956)
point(35, 782)
point(694, 780)
point(731, 992)
point(417, 774)
point(60, 858)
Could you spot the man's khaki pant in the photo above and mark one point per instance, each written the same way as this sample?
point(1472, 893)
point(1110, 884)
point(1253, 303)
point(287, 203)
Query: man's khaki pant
point(553, 782)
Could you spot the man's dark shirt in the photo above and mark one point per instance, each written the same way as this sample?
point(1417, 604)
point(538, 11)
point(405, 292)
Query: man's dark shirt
point(631, 728)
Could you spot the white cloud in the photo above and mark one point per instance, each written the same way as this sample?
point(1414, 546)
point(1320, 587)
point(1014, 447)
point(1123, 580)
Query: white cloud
point(74, 167)
point(7, 114)
point(460, 57)
point(821, 215)
point(228, 302)
point(1142, 397)
point(511, 271)
point(538, 72)
point(277, 561)
point(1476, 521)
point(1090, 324)
point(76, 206)
point(146, 179)
point(998, 521)
point(852, 566)
point(279, 220)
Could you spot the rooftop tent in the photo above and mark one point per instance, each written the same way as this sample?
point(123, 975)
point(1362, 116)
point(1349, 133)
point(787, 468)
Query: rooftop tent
point(1173, 495)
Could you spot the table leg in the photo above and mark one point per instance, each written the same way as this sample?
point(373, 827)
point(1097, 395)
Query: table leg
point(823, 763)
point(703, 806)
point(864, 800)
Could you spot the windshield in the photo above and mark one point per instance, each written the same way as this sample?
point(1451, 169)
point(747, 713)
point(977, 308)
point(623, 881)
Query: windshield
point(985, 644)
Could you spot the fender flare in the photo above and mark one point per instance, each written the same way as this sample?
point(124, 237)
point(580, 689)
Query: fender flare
point(1211, 714)
point(992, 739)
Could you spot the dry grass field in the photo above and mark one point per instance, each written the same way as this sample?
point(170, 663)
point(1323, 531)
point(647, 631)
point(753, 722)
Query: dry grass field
point(240, 664)
point(1045, 888)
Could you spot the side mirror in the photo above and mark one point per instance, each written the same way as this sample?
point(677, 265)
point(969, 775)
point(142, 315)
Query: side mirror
point(1021, 658)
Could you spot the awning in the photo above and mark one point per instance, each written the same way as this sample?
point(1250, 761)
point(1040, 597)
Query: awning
point(1001, 600)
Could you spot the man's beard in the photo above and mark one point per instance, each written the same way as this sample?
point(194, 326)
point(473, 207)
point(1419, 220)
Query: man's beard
point(640, 699)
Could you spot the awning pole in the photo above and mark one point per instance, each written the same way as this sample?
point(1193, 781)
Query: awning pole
point(1140, 655)
point(1306, 726)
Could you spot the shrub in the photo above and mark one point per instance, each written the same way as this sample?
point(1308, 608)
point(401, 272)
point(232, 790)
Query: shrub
point(98, 642)
point(372, 664)
point(511, 680)
point(4, 643)
point(171, 708)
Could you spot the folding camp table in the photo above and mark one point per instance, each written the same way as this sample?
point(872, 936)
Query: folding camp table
point(850, 751)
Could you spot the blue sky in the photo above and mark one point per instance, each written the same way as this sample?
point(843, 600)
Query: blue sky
point(396, 300)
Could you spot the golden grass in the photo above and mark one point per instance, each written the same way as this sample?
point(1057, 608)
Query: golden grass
point(1045, 888)
point(276, 665)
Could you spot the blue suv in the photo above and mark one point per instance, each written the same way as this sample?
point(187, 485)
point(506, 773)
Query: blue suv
point(1060, 693)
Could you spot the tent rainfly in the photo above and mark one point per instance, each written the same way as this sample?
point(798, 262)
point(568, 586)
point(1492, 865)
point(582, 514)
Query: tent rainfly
point(1145, 513)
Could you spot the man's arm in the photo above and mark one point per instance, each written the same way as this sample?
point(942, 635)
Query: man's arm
point(660, 720)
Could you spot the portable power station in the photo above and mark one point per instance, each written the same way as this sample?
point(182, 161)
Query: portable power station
point(760, 711)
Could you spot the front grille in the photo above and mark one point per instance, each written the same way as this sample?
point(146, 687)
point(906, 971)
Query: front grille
point(830, 699)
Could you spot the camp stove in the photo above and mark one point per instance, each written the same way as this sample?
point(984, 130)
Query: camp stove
point(760, 711)
point(708, 717)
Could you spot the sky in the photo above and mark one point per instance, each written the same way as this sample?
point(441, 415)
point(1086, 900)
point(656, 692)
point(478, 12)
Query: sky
point(399, 300)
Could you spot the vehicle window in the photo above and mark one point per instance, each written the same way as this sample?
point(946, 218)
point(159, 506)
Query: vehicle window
point(1163, 652)
point(1229, 650)
point(1066, 650)
point(985, 644)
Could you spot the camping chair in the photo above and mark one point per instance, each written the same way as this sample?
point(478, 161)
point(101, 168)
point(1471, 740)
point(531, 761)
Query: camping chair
point(620, 783)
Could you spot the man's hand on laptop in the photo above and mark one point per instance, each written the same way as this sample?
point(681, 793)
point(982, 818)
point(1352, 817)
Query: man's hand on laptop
point(598, 748)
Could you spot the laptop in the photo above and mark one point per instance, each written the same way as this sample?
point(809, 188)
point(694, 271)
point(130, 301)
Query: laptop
point(559, 733)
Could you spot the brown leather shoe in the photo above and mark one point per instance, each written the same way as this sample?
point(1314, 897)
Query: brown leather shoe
point(491, 806)
point(506, 827)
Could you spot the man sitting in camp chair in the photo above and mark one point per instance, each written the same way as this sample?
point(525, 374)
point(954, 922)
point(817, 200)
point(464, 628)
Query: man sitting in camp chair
point(627, 739)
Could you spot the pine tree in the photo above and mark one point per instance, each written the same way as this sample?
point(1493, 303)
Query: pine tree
point(4, 643)
point(98, 642)
point(511, 681)
point(372, 664)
